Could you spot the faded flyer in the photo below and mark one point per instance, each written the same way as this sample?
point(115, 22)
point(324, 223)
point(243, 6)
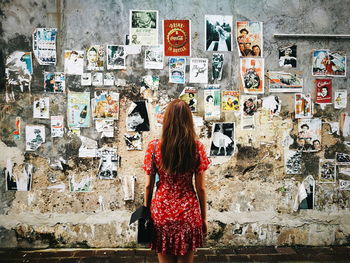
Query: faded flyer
point(18, 181)
point(273, 104)
point(342, 159)
point(287, 56)
point(309, 135)
point(252, 75)
point(105, 127)
point(177, 38)
point(323, 91)
point(97, 79)
point(88, 148)
point(137, 117)
point(199, 70)
point(44, 45)
point(105, 105)
point(327, 171)
point(285, 82)
point(129, 187)
point(108, 79)
point(74, 62)
point(218, 33)
point(41, 108)
point(303, 106)
point(177, 68)
point(223, 139)
point(54, 82)
point(190, 96)
point(230, 100)
point(78, 109)
point(212, 102)
point(17, 132)
point(154, 58)
point(133, 141)
point(95, 57)
point(217, 66)
point(344, 185)
point(149, 84)
point(57, 126)
point(249, 38)
point(82, 184)
point(35, 136)
point(340, 99)
point(86, 79)
point(292, 162)
point(109, 162)
point(144, 27)
point(328, 63)
point(248, 109)
point(19, 69)
point(116, 57)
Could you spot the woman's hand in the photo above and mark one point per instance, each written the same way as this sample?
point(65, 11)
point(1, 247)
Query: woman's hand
point(205, 227)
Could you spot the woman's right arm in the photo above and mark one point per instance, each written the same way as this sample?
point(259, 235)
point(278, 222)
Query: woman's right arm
point(201, 193)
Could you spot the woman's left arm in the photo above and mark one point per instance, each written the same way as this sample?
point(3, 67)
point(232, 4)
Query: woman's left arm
point(149, 186)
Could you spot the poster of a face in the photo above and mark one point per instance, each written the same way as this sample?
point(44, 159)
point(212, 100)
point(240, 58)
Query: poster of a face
point(252, 75)
point(303, 106)
point(105, 105)
point(137, 117)
point(249, 38)
point(212, 102)
point(309, 135)
point(78, 109)
point(177, 38)
point(288, 56)
point(218, 33)
point(133, 141)
point(223, 139)
point(342, 159)
point(19, 69)
point(177, 67)
point(217, 66)
point(328, 63)
point(54, 82)
point(248, 108)
point(340, 99)
point(95, 56)
point(57, 123)
point(199, 70)
point(35, 136)
point(86, 79)
point(285, 82)
point(190, 96)
point(115, 57)
point(41, 108)
point(230, 100)
point(154, 58)
point(144, 27)
point(74, 62)
point(108, 167)
point(292, 162)
point(323, 91)
point(327, 171)
point(44, 45)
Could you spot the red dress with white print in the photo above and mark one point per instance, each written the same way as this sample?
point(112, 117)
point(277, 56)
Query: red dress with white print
point(174, 208)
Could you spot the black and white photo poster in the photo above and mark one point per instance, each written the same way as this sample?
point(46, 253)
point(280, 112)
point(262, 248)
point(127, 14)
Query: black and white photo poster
point(223, 139)
point(218, 33)
point(137, 118)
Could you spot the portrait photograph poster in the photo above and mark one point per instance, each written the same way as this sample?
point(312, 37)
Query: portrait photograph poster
point(95, 57)
point(309, 135)
point(212, 102)
point(144, 27)
point(223, 139)
point(287, 56)
point(252, 75)
point(280, 81)
point(323, 91)
point(217, 66)
point(248, 109)
point(137, 117)
point(74, 62)
point(177, 38)
point(218, 33)
point(249, 38)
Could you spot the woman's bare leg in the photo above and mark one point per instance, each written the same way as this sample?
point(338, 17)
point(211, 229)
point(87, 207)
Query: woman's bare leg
point(166, 258)
point(188, 258)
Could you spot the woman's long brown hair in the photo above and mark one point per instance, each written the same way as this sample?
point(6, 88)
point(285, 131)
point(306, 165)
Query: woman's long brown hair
point(178, 143)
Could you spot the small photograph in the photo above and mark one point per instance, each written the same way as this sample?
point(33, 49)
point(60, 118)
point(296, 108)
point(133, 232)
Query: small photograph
point(248, 108)
point(223, 139)
point(74, 62)
point(199, 70)
point(108, 79)
point(177, 68)
point(109, 162)
point(340, 99)
point(342, 159)
point(303, 106)
point(218, 31)
point(217, 66)
point(154, 58)
point(344, 185)
point(309, 188)
point(212, 102)
point(137, 117)
point(133, 141)
point(230, 100)
point(116, 57)
point(285, 82)
point(323, 91)
point(287, 56)
point(252, 75)
point(54, 82)
point(309, 135)
point(326, 171)
point(41, 108)
point(273, 104)
point(83, 184)
point(97, 79)
point(95, 57)
point(190, 96)
point(328, 63)
point(292, 162)
point(177, 38)
point(144, 27)
point(57, 126)
point(35, 136)
point(249, 38)
point(86, 79)
point(105, 105)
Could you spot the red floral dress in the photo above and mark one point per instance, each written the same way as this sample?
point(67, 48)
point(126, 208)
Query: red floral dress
point(174, 208)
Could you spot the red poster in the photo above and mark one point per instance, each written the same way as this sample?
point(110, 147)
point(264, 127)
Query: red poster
point(177, 38)
point(324, 91)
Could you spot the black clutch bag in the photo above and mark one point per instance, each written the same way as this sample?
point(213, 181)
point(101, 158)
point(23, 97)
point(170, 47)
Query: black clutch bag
point(145, 225)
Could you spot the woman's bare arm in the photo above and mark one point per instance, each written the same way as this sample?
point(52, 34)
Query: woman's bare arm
point(149, 185)
point(201, 193)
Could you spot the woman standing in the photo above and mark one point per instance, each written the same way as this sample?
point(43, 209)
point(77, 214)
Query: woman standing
point(179, 217)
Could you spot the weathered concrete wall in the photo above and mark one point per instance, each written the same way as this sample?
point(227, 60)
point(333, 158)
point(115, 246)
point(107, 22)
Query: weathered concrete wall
point(250, 197)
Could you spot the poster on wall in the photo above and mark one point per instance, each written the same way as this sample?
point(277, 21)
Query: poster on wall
point(95, 57)
point(116, 57)
point(340, 99)
point(17, 132)
point(306, 193)
point(223, 139)
point(309, 135)
point(108, 166)
point(344, 185)
point(44, 45)
point(41, 108)
point(342, 159)
point(177, 68)
point(108, 79)
point(137, 117)
point(249, 38)
point(177, 38)
point(149, 84)
point(273, 104)
point(83, 184)
point(252, 75)
point(144, 27)
point(218, 33)
point(230, 100)
point(19, 69)
point(78, 109)
point(86, 79)
point(54, 82)
point(303, 106)
point(217, 66)
point(248, 107)
point(199, 70)
point(18, 181)
point(74, 62)
point(105, 105)
point(323, 91)
point(328, 63)
point(97, 79)
point(57, 126)
point(212, 102)
point(105, 127)
point(280, 81)
point(154, 58)
point(133, 141)
point(292, 162)
point(327, 171)
point(287, 56)
point(35, 136)
point(190, 96)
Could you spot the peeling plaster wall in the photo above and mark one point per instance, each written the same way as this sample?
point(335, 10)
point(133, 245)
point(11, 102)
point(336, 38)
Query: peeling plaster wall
point(250, 198)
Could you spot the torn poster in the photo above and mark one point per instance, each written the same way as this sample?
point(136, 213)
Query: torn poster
point(217, 66)
point(105, 105)
point(35, 136)
point(177, 69)
point(129, 187)
point(303, 106)
point(57, 126)
point(223, 139)
point(133, 141)
point(344, 185)
point(292, 162)
point(340, 99)
point(190, 96)
point(327, 63)
point(86, 79)
point(212, 102)
point(83, 185)
point(285, 82)
point(18, 182)
point(305, 198)
point(154, 58)
point(95, 56)
point(344, 170)
point(41, 108)
point(252, 75)
point(199, 70)
point(249, 38)
point(116, 57)
point(144, 27)
point(149, 84)
point(97, 79)
point(105, 127)
point(19, 69)
point(273, 104)
point(44, 45)
point(309, 135)
point(109, 162)
point(131, 49)
point(333, 128)
point(88, 147)
point(17, 132)
point(78, 109)
point(248, 108)
point(288, 56)
point(323, 91)
point(177, 38)
point(327, 171)
point(230, 100)
point(342, 159)
point(159, 113)
point(137, 117)
point(344, 123)
point(54, 82)
point(218, 33)
point(108, 79)
point(74, 62)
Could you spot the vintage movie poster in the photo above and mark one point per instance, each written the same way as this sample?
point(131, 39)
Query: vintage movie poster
point(35, 136)
point(218, 33)
point(344, 185)
point(223, 139)
point(303, 106)
point(144, 27)
point(41, 108)
point(327, 171)
point(19, 69)
point(154, 58)
point(17, 132)
point(95, 57)
point(177, 38)
point(74, 62)
point(97, 79)
point(149, 84)
point(292, 162)
point(340, 99)
point(199, 70)
point(133, 141)
point(309, 135)
point(342, 159)
point(44, 45)
point(287, 56)
point(86, 79)
point(83, 184)
point(108, 79)
point(230, 100)
point(212, 102)
point(78, 109)
point(285, 82)
point(273, 104)
point(57, 126)
point(54, 82)
point(248, 107)
point(217, 66)
point(116, 57)
point(323, 91)
point(109, 162)
point(18, 181)
point(177, 69)
point(252, 75)
point(105, 105)
point(328, 63)
point(190, 96)
point(105, 127)
point(249, 38)
point(137, 117)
